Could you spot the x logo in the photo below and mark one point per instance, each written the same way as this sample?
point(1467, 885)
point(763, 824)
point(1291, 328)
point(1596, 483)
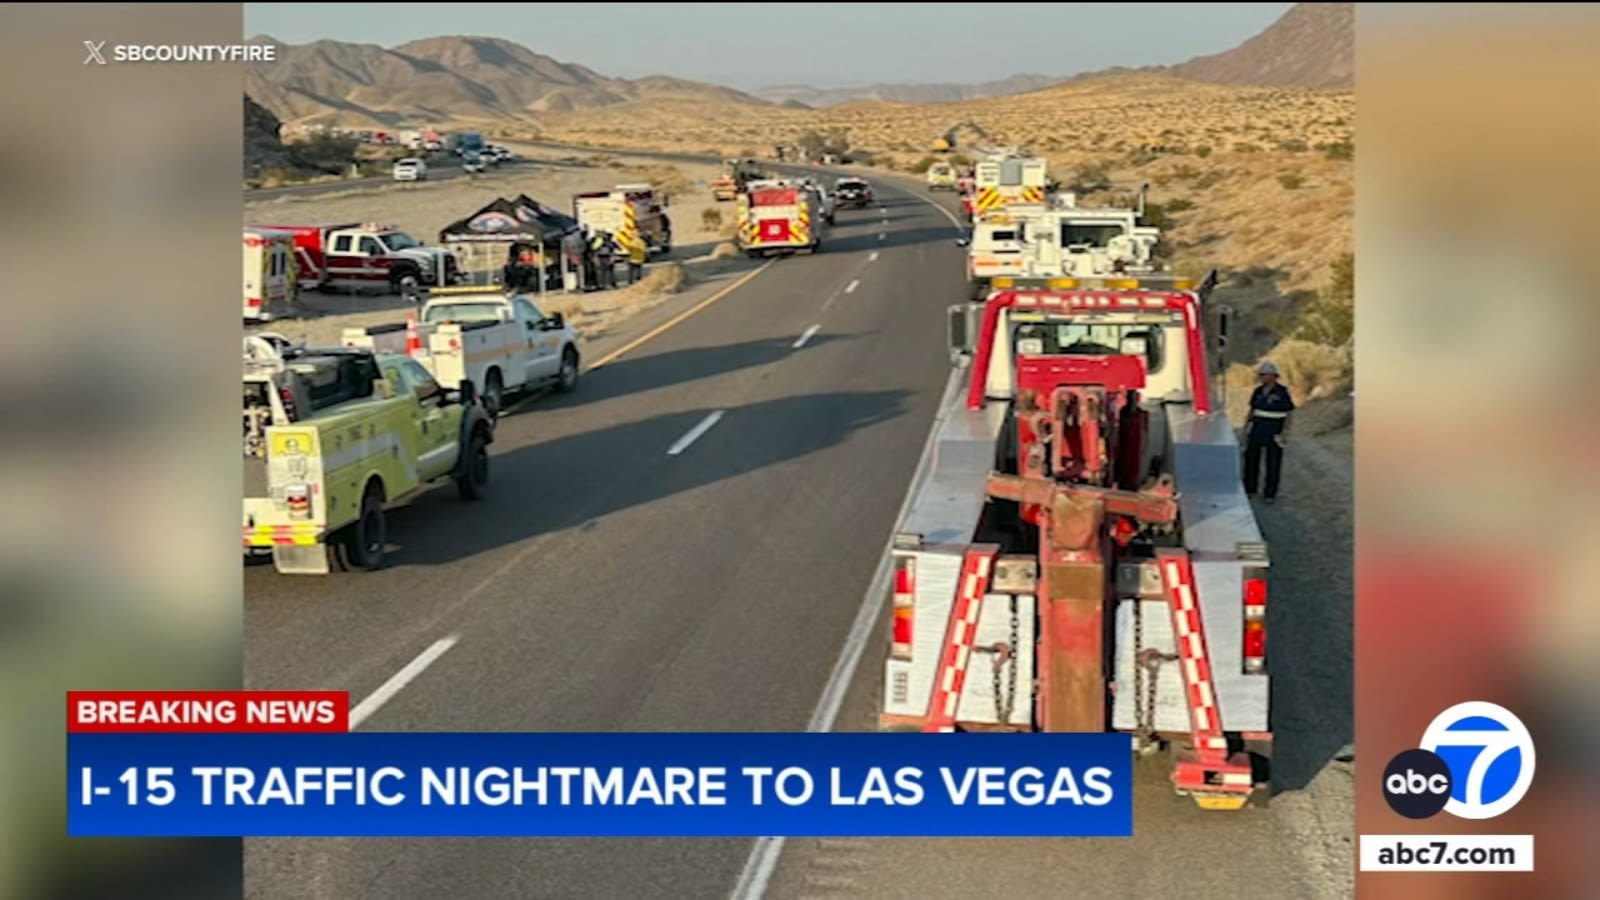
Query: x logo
point(94, 52)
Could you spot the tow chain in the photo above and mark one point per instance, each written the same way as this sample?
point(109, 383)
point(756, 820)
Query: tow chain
point(1005, 657)
point(1144, 683)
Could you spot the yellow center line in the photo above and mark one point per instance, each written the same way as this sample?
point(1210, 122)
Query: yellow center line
point(656, 332)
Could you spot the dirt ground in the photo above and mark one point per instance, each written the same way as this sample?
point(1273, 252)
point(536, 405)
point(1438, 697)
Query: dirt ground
point(422, 210)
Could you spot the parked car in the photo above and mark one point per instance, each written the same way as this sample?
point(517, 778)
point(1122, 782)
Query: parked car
point(471, 162)
point(410, 170)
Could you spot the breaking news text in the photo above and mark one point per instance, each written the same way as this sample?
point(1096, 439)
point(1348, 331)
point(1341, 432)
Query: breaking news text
point(597, 785)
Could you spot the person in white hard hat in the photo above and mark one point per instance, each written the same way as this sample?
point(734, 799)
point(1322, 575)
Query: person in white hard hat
point(1267, 432)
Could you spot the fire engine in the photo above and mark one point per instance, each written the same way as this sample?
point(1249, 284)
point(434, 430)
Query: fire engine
point(1077, 553)
point(781, 216)
point(358, 256)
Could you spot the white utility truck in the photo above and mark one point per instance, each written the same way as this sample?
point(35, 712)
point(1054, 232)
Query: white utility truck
point(501, 342)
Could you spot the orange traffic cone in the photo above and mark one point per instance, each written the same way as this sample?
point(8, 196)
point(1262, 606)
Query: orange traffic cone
point(413, 339)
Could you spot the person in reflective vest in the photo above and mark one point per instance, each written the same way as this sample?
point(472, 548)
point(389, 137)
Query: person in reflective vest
point(1268, 432)
point(637, 254)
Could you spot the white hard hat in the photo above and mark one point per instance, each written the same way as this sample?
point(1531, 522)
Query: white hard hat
point(1268, 368)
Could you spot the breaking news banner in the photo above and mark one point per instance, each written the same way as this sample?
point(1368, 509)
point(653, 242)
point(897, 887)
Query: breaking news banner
point(284, 764)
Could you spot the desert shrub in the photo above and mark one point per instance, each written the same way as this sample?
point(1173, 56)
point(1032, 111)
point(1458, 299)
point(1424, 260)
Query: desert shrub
point(1209, 180)
point(710, 219)
point(1330, 318)
point(1339, 150)
point(1293, 146)
point(1091, 178)
point(1246, 148)
point(1202, 151)
point(921, 166)
point(1291, 182)
point(1178, 204)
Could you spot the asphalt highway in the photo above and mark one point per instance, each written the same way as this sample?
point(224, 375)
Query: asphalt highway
point(681, 544)
point(684, 544)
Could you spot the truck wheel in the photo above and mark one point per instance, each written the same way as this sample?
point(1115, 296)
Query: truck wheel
point(494, 395)
point(406, 283)
point(367, 538)
point(567, 380)
point(475, 475)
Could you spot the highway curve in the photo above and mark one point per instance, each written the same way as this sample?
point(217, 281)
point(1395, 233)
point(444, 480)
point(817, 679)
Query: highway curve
point(609, 585)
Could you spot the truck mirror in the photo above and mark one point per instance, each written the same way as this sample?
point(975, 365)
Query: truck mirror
point(962, 242)
point(557, 321)
point(960, 330)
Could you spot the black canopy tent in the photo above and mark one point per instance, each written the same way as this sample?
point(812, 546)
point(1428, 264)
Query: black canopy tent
point(489, 243)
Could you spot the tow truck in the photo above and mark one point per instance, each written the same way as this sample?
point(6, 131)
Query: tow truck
point(333, 438)
point(1077, 553)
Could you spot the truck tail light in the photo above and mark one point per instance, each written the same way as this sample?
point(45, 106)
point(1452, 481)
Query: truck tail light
point(905, 588)
point(1255, 621)
point(287, 396)
point(298, 498)
point(255, 302)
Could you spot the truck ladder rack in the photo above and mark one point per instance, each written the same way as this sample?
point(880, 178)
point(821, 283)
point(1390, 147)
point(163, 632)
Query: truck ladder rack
point(951, 676)
point(1213, 777)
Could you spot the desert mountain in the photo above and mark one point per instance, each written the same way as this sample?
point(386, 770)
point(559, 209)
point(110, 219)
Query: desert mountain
point(443, 79)
point(906, 93)
point(1310, 46)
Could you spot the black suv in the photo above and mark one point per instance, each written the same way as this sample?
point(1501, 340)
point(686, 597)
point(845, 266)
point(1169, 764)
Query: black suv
point(852, 193)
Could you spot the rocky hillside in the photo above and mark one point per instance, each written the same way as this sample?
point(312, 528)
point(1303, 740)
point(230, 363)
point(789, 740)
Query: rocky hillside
point(262, 147)
point(1311, 46)
point(443, 79)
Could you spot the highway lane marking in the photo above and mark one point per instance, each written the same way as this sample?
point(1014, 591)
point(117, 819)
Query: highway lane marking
point(806, 337)
point(656, 332)
point(873, 257)
point(851, 288)
point(763, 859)
point(882, 236)
point(695, 432)
point(884, 210)
point(386, 691)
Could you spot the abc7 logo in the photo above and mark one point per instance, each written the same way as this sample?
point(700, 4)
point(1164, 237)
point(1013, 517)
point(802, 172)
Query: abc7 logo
point(1475, 762)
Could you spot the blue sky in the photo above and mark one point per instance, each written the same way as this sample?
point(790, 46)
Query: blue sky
point(821, 44)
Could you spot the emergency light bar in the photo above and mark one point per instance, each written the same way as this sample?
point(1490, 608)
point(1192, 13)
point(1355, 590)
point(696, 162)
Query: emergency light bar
point(1093, 284)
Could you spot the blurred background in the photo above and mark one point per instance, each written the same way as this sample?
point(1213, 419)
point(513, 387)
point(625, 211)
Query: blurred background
point(118, 555)
point(1477, 505)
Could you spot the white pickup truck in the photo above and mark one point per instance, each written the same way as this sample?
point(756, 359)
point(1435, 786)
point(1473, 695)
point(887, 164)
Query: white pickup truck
point(501, 342)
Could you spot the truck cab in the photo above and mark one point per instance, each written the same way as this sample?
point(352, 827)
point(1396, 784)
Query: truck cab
point(375, 254)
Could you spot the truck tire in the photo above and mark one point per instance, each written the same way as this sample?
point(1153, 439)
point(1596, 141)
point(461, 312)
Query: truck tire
point(473, 483)
point(406, 281)
point(366, 538)
point(567, 378)
point(494, 395)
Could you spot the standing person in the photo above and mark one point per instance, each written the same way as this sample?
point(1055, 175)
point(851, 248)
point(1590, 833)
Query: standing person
point(607, 261)
point(591, 259)
point(637, 254)
point(1268, 431)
